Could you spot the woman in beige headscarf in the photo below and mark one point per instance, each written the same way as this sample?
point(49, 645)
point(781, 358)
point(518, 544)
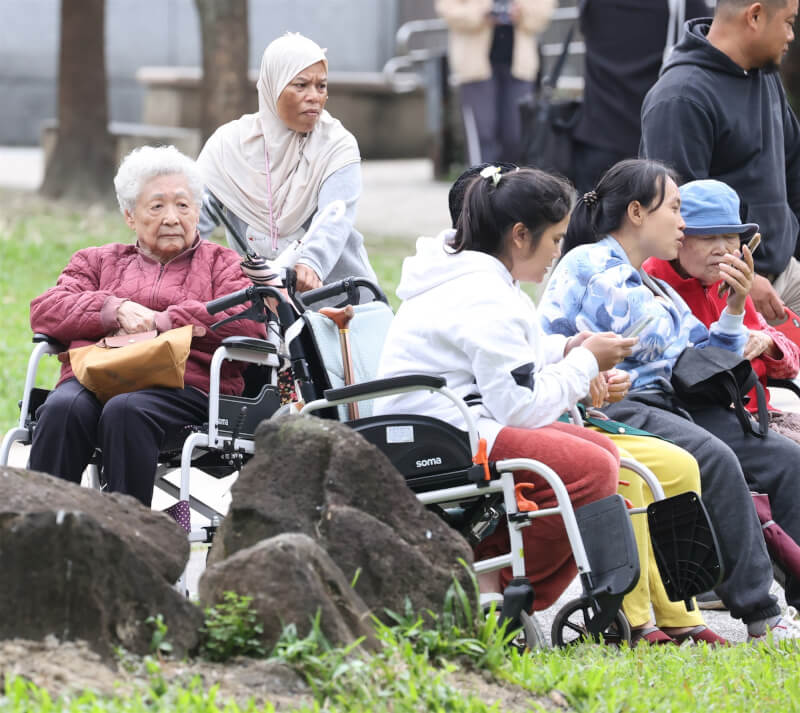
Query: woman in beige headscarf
point(275, 170)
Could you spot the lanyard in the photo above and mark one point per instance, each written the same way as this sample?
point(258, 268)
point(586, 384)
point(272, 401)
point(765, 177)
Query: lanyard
point(273, 225)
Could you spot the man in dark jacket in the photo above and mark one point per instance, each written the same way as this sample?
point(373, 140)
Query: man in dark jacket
point(719, 111)
point(616, 77)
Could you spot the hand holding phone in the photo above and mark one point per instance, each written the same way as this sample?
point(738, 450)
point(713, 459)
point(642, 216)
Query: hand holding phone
point(755, 241)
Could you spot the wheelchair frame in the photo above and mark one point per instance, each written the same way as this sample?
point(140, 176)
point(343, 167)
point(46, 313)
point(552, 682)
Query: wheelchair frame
point(237, 449)
point(514, 607)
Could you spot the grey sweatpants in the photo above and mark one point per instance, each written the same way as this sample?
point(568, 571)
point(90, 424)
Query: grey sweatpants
point(726, 491)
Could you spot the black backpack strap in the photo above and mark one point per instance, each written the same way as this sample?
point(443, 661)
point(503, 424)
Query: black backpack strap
point(738, 394)
point(763, 414)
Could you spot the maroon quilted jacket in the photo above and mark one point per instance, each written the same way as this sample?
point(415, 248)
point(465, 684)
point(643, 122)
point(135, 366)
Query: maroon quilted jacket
point(81, 309)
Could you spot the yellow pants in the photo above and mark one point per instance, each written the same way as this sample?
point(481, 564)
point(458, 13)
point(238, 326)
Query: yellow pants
point(677, 472)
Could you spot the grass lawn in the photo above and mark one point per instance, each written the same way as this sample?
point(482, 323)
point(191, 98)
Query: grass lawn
point(414, 671)
point(421, 669)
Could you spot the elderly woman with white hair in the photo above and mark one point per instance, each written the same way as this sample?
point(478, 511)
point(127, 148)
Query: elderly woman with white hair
point(161, 281)
point(275, 170)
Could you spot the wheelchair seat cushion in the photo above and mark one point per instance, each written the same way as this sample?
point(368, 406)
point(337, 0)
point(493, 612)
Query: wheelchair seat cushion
point(368, 330)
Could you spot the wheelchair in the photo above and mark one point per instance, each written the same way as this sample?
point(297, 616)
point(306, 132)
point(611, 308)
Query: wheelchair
point(442, 465)
point(449, 472)
point(220, 446)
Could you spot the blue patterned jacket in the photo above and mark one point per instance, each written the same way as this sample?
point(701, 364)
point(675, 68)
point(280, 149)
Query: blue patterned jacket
point(595, 288)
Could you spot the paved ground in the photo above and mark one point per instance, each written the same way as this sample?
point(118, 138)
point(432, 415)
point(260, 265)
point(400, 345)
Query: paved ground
point(400, 199)
point(21, 167)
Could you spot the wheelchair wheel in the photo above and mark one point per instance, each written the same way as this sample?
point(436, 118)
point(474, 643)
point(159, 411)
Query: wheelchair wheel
point(531, 636)
point(570, 626)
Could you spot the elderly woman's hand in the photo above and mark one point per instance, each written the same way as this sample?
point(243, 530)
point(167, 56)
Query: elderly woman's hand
point(738, 273)
point(133, 318)
point(758, 342)
point(307, 279)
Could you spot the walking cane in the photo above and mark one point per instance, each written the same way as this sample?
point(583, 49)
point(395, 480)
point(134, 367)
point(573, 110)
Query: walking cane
point(341, 317)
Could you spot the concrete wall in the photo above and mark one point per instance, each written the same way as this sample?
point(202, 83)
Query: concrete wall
point(359, 35)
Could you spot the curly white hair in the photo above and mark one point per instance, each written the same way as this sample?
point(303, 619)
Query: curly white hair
point(147, 162)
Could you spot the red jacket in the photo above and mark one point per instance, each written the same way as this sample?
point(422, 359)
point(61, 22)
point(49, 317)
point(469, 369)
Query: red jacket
point(707, 306)
point(81, 309)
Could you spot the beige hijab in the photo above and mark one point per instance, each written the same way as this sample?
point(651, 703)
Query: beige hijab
point(233, 161)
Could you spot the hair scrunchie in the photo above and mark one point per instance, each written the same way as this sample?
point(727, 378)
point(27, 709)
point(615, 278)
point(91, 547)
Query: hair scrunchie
point(493, 174)
point(591, 198)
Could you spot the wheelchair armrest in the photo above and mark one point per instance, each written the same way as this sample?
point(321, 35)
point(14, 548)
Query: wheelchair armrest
point(47, 339)
point(377, 385)
point(258, 345)
point(785, 384)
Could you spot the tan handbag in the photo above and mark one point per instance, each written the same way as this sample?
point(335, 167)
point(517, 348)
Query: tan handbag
point(130, 362)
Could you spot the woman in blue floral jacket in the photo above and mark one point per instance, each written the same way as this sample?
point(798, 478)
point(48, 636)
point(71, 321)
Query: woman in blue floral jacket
point(634, 214)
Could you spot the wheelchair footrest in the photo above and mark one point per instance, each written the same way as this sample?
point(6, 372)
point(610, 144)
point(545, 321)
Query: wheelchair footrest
point(606, 608)
point(685, 546)
point(607, 534)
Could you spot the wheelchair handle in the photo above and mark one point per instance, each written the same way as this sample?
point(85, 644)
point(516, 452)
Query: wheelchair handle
point(342, 287)
point(248, 294)
point(228, 301)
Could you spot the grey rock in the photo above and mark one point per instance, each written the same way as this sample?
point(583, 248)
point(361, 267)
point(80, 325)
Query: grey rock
point(86, 566)
point(323, 479)
point(291, 579)
point(155, 537)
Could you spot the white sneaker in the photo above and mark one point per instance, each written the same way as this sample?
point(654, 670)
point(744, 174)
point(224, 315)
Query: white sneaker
point(786, 628)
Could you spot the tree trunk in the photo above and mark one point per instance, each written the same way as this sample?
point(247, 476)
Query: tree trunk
point(226, 92)
point(790, 73)
point(82, 164)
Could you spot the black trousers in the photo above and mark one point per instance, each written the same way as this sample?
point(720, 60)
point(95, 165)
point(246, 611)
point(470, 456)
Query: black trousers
point(130, 429)
point(590, 163)
point(731, 464)
point(770, 465)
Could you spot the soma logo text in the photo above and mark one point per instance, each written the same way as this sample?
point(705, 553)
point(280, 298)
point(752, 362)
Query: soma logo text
point(426, 462)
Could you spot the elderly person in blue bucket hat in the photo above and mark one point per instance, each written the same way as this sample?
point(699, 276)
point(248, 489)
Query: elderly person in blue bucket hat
point(713, 229)
point(633, 214)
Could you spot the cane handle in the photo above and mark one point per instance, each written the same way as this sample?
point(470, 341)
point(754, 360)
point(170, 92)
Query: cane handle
point(340, 316)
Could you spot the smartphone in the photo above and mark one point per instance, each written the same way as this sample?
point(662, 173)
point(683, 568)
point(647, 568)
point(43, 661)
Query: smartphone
point(635, 329)
point(755, 241)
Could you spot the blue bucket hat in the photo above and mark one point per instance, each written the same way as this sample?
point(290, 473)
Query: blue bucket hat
point(712, 208)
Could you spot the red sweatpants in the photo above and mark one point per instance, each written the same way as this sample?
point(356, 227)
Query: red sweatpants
point(588, 463)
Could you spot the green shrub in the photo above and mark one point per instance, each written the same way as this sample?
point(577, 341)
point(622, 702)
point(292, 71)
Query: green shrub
point(232, 629)
point(158, 641)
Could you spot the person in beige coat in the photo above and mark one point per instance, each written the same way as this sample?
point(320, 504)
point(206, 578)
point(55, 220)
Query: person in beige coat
point(494, 58)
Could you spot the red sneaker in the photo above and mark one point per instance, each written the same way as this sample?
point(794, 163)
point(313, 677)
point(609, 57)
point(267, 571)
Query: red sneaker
point(701, 633)
point(651, 635)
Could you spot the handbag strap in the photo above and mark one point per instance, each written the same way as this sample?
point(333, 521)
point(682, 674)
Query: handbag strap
point(677, 16)
point(763, 414)
point(551, 79)
point(737, 393)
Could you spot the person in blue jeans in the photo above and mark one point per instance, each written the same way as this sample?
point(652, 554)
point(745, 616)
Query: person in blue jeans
point(634, 214)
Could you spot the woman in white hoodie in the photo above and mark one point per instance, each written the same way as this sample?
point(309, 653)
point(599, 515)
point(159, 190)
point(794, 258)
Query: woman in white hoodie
point(465, 318)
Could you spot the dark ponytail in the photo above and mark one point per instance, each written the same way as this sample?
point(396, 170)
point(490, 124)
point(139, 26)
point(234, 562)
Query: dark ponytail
point(495, 202)
point(602, 210)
